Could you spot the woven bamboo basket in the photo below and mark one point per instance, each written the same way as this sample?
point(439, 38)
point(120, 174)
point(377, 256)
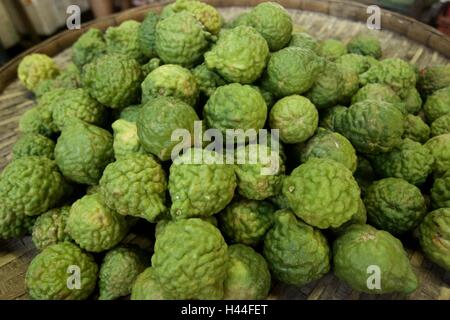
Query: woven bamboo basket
point(400, 36)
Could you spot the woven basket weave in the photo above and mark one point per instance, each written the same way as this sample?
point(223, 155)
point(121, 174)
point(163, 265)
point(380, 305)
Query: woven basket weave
point(400, 37)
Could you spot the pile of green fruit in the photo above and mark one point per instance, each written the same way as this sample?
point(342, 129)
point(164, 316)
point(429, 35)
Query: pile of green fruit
point(364, 158)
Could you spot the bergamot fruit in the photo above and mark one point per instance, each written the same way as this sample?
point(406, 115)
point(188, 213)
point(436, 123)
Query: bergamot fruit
point(331, 49)
point(440, 192)
point(147, 287)
point(441, 125)
point(439, 147)
point(126, 140)
point(33, 144)
point(35, 68)
point(416, 129)
point(50, 228)
point(88, 47)
point(365, 44)
point(303, 40)
point(124, 39)
point(437, 104)
point(328, 89)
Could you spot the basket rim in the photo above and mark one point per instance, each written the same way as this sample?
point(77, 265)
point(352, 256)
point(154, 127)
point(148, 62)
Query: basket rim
point(8, 72)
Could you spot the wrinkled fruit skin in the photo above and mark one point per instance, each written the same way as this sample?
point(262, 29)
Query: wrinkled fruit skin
point(441, 125)
point(208, 15)
point(328, 89)
point(93, 226)
point(180, 39)
point(248, 275)
point(434, 78)
point(69, 78)
point(33, 144)
point(328, 117)
point(435, 237)
point(126, 140)
point(354, 62)
point(437, 104)
point(12, 224)
point(197, 248)
point(247, 221)
point(296, 252)
point(362, 246)
point(371, 126)
point(261, 179)
point(303, 40)
point(440, 193)
point(83, 151)
point(124, 39)
point(322, 192)
point(158, 119)
point(50, 228)
point(273, 22)
point(146, 34)
point(207, 80)
point(88, 47)
point(331, 49)
point(35, 68)
point(413, 101)
point(292, 70)
point(366, 45)
point(119, 270)
point(170, 80)
point(235, 106)
point(439, 147)
point(377, 91)
point(290, 111)
point(200, 189)
point(47, 275)
point(242, 46)
point(330, 145)
point(116, 92)
point(77, 103)
point(394, 205)
point(410, 161)
point(135, 185)
point(416, 129)
point(147, 287)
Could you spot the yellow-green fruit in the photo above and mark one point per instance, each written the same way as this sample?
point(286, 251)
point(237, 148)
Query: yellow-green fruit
point(50, 228)
point(35, 68)
point(437, 104)
point(208, 15)
point(365, 44)
point(147, 287)
point(33, 144)
point(331, 49)
point(124, 39)
point(439, 147)
point(441, 125)
point(416, 129)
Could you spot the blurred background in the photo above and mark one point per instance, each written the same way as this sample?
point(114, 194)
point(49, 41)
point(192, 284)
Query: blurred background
point(24, 23)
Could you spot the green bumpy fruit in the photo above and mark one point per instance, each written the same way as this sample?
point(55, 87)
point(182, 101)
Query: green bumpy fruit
point(394, 205)
point(69, 78)
point(350, 85)
point(77, 103)
point(31, 185)
point(35, 68)
point(126, 140)
point(379, 92)
point(235, 106)
point(50, 228)
point(330, 145)
point(93, 226)
point(437, 104)
point(83, 151)
point(303, 40)
point(434, 78)
point(170, 80)
point(361, 248)
point(259, 171)
point(197, 248)
point(248, 275)
point(242, 19)
point(88, 47)
point(435, 237)
point(135, 185)
point(409, 161)
point(209, 17)
point(322, 192)
point(131, 113)
point(200, 184)
point(273, 22)
point(366, 45)
point(328, 89)
point(394, 72)
point(180, 39)
point(296, 118)
point(120, 268)
point(207, 80)
point(147, 287)
point(116, 92)
point(33, 144)
point(292, 70)
point(49, 273)
point(413, 101)
point(439, 147)
point(371, 126)
point(440, 193)
point(359, 218)
point(328, 116)
point(331, 49)
point(354, 62)
point(416, 129)
point(12, 224)
point(296, 252)
point(246, 221)
point(146, 34)
point(151, 65)
point(242, 46)
point(158, 119)
point(441, 125)
point(124, 39)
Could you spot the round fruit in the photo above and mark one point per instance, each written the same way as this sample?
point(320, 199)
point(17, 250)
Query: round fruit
point(35, 68)
point(303, 40)
point(365, 44)
point(296, 118)
point(147, 287)
point(441, 125)
point(328, 89)
point(439, 147)
point(207, 80)
point(50, 228)
point(322, 192)
point(61, 271)
point(437, 104)
point(124, 39)
point(146, 34)
point(296, 252)
point(354, 62)
point(440, 193)
point(89, 46)
point(331, 49)
point(33, 144)
point(416, 129)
